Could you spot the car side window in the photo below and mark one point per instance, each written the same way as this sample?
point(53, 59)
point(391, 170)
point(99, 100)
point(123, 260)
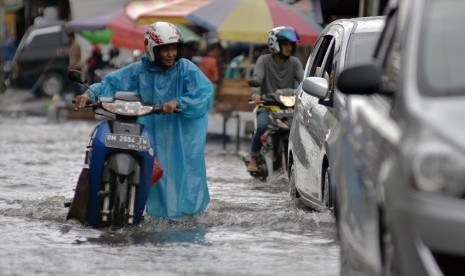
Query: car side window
point(323, 58)
point(392, 67)
point(45, 40)
point(388, 53)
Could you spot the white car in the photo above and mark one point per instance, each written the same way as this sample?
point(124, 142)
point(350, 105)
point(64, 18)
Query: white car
point(316, 124)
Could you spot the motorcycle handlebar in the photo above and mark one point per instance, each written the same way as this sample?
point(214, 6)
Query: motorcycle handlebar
point(93, 104)
point(158, 108)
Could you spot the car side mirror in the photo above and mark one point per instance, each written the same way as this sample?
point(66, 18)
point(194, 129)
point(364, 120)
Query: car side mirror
point(362, 79)
point(316, 86)
point(76, 76)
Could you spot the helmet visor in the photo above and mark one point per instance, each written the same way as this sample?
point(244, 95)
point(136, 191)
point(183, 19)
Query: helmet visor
point(288, 34)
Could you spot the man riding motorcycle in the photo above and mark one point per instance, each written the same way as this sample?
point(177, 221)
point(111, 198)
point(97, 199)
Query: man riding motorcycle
point(276, 70)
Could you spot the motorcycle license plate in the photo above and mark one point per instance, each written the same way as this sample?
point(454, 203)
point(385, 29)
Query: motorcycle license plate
point(129, 142)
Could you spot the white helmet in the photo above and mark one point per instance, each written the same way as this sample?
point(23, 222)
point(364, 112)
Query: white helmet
point(162, 33)
point(279, 34)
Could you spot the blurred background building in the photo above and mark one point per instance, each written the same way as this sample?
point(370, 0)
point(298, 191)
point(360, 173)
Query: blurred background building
point(18, 15)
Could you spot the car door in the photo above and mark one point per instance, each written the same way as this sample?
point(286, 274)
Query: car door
point(316, 118)
point(372, 132)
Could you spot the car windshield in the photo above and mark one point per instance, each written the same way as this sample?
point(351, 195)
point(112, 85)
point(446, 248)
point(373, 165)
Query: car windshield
point(442, 49)
point(360, 48)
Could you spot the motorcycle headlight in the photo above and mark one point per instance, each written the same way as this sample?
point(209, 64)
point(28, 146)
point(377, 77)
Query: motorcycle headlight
point(127, 108)
point(440, 169)
point(287, 101)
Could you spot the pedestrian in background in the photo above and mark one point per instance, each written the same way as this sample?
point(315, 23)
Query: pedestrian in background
point(74, 59)
point(94, 62)
point(209, 64)
point(74, 53)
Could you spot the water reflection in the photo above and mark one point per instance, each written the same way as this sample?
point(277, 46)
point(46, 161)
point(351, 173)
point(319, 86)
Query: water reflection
point(166, 237)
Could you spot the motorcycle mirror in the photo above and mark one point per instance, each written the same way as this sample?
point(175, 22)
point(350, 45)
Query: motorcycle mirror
point(79, 77)
point(254, 82)
point(76, 76)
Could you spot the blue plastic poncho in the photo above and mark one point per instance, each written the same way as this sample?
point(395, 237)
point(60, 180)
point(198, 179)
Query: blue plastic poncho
point(179, 138)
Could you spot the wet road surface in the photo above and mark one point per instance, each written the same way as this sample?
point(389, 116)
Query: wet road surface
point(249, 228)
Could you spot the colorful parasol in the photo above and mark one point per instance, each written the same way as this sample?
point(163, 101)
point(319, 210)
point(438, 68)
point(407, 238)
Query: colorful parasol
point(175, 11)
point(129, 35)
point(117, 28)
point(97, 37)
point(251, 20)
point(94, 23)
point(135, 9)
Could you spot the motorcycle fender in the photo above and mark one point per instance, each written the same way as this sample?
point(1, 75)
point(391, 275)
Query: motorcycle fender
point(79, 205)
point(268, 156)
point(122, 163)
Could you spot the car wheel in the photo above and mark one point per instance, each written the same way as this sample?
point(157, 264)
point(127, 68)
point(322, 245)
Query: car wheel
point(292, 188)
point(390, 267)
point(327, 189)
point(52, 84)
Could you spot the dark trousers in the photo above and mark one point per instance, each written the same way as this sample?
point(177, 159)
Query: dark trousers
point(262, 122)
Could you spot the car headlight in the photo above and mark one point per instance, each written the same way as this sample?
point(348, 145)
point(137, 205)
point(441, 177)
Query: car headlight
point(127, 108)
point(288, 101)
point(440, 169)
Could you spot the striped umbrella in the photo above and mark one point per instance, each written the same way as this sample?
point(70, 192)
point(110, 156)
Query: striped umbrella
point(174, 11)
point(251, 20)
point(135, 10)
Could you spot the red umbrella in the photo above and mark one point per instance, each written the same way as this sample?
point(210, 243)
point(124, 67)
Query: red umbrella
point(121, 31)
point(129, 35)
point(126, 33)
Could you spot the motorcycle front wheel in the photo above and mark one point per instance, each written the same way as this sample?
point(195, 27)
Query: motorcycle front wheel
point(120, 198)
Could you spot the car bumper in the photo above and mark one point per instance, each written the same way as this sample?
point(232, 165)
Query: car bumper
point(429, 233)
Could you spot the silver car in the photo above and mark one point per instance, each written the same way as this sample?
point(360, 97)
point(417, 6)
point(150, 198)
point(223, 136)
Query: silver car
point(316, 127)
point(401, 182)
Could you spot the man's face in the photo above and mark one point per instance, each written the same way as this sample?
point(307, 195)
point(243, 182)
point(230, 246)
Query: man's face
point(168, 54)
point(286, 48)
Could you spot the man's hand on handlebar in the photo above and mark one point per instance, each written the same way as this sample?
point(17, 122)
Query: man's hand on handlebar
point(81, 101)
point(255, 98)
point(169, 107)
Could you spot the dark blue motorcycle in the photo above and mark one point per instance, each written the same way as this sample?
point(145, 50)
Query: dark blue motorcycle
point(114, 184)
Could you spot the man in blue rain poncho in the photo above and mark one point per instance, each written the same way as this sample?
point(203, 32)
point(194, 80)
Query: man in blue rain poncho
point(163, 77)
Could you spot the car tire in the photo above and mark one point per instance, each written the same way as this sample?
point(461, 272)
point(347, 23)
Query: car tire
point(292, 188)
point(52, 84)
point(389, 260)
point(327, 193)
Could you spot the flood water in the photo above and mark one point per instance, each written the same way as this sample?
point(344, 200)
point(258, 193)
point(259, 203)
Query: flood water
point(249, 228)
